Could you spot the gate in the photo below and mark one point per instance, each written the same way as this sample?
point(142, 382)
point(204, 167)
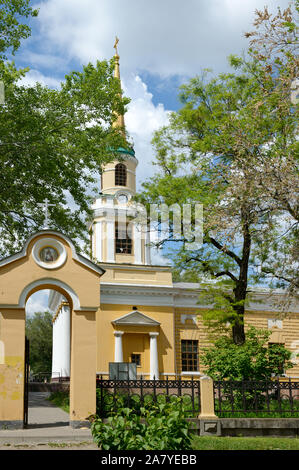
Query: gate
point(26, 382)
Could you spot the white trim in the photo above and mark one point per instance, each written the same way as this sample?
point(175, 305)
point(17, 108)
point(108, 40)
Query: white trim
point(106, 170)
point(110, 237)
point(199, 374)
point(81, 259)
point(51, 242)
point(135, 318)
point(54, 282)
point(98, 240)
point(137, 244)
point(123, 293)
point(188, 317)
point(140, 373)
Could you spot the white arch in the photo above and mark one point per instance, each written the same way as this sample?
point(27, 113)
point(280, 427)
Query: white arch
point(54, 282)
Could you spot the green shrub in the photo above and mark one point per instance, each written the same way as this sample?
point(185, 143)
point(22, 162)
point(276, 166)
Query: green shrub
point(253, 360)
point(158, 426)
point(61, 399)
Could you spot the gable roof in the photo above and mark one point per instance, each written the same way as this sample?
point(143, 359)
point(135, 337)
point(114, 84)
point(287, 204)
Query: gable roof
point(78, 257)
point(135, 318)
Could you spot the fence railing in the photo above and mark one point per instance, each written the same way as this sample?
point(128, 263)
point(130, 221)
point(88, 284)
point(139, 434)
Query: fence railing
point(45, 377)
point(256, 398)
point(113, 394)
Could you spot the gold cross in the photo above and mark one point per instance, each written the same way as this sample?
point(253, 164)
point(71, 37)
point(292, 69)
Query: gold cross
point(115, 44)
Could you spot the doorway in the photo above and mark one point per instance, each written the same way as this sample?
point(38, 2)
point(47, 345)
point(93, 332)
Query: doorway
point(47, 360)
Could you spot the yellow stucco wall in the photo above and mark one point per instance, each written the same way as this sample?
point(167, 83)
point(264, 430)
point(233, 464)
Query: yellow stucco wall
point(12, 333)
point(108, 176)
point(84, 281)
point(16, 275)
point(146, 275)
point(288, 335)
point(135, 338)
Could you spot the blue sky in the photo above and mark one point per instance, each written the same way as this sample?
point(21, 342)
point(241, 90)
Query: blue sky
point(162, 43)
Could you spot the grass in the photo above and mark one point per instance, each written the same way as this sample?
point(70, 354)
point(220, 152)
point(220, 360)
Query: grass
point(60, 399)
point(245, 443)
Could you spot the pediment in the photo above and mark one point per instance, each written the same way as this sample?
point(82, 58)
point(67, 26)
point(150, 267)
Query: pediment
point(135, 318)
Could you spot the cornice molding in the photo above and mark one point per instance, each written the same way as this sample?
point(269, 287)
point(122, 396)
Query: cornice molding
point(172, 296)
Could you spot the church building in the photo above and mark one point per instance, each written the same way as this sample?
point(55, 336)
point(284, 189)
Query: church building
point(144, 317)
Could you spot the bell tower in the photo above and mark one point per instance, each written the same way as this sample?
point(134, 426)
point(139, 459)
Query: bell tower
point(117, 236)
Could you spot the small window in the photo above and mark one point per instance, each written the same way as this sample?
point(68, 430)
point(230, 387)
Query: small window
point(120, 175)
point(189, 350)
point(123, 238)
point(136, 359)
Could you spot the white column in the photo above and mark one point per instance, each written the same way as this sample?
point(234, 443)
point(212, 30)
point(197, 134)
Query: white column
point(54, 351)
point(98, 241)
point(118, 352)
point(110, 242)
point(154, 361)
point(61, 347)
point(65, 347)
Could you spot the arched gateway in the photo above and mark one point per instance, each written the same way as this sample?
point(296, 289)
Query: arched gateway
point(48, 261)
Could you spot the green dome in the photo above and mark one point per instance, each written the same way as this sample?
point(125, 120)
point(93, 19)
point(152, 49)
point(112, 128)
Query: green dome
point(130, 151)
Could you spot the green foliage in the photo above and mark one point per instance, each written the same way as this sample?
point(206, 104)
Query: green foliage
point(39, 333)
point(50, 149)
point(61, 399)
point(251, 361)
point(111, 404)
point(12, 26)
point(233, 147)
point(256, 398)
point(245, 443)
point(159, 426)
point(54, 142)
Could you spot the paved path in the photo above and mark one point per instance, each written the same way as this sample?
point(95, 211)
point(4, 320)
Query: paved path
point(46, 424)
point(43, 414)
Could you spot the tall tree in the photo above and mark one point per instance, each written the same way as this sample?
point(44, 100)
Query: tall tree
point(39, 333)
point(214, 152)
point(274, 46)
point(13, 27)
point(53, 143)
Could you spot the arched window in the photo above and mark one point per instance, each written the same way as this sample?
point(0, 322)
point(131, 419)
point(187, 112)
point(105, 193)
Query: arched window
point(120, 175)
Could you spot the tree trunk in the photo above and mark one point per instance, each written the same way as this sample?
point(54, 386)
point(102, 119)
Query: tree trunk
point(240, 289)
point(239, 331)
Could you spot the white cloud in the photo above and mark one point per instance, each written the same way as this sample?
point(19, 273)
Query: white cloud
point(37, 302)
point(34, 76)
point(168, 37)
point(142, 119)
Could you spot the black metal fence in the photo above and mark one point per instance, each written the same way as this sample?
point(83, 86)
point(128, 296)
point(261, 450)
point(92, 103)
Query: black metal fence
point(115, 394)
point(256, 398)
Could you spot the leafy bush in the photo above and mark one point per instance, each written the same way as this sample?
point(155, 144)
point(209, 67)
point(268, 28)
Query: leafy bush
point(61, 399)
point(110, 404)
point(253, 360)
point(158, 426)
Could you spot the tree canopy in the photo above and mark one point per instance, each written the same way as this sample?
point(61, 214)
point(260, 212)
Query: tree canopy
point(233, 147)
point(13, 27)
point(39, 333)
point(53, 142)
